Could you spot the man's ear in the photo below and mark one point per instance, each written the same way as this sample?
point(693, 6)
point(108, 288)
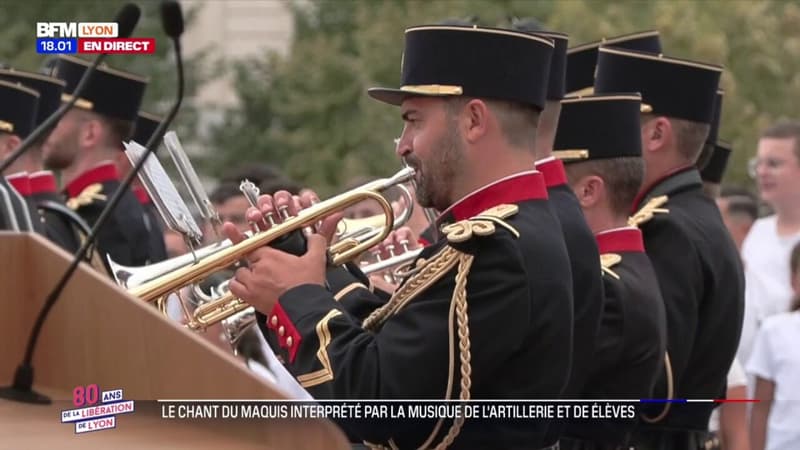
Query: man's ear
point(475, 120)
point(656, 134)
point(589, 190)
point(91, 133)
point(8, 144)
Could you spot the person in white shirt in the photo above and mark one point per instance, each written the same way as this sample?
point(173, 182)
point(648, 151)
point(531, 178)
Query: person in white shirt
point(775, 362)
point(729, 422)
point(766, 249)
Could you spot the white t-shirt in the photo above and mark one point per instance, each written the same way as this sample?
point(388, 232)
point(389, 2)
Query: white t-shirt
point(767, 279)
point(736, 377)
point(776, 357)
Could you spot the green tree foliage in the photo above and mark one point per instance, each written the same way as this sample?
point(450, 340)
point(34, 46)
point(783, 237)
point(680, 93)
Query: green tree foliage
point(18, 46)
point(308, 112)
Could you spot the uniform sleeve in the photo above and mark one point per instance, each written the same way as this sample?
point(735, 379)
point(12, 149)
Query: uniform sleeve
point(680, 277)
point(353, 290)
point(762, 357)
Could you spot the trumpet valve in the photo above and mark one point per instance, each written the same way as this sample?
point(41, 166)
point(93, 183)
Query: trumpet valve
point(283, 210)
point(404, 245)
point(270, 218)
point(390, 249)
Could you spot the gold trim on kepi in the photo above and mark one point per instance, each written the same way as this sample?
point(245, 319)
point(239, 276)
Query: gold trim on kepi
point(601, 98)
point(478, 29)
point(433, 89)
point(80, 103)
point(572, 154)
point(18, 86)
point(662, 58)
point(11, 72)
point(645, 108)
point(6, 126)
point(581, 92)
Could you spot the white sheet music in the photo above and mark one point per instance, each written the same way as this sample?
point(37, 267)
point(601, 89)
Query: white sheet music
point(163, 192)
point(189, 176)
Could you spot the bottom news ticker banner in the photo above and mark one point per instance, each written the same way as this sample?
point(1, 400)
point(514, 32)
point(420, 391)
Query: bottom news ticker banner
point(358, 410)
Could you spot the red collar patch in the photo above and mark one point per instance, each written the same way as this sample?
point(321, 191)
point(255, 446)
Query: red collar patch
point(43, 182)
point(553, 171)
point(619, 240)
point(21, 183)
point(99, 174)
point(529, 185)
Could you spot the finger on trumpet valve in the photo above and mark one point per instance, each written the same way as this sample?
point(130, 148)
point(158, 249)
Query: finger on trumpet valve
point(376, 253)
point(404, 245)
point(270, 219)
point(390, 249)
point(283, 211)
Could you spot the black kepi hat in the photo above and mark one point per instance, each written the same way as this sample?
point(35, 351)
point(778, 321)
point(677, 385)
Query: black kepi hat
point(582, 59)
point(109, 92)
point(488, 63)
point(599, 127)
point(18, 106)
point(671, 87)
point(49, 89)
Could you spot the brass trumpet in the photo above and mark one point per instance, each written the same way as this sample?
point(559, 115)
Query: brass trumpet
point(185, 273)
point(394, 262)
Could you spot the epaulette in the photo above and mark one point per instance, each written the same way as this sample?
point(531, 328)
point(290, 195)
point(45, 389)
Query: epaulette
point(609, 260)
point(646, 212)
point(484, 224)
point(88, 195)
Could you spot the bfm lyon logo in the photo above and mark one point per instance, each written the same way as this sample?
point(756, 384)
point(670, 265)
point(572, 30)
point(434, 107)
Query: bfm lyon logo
point(95, 411)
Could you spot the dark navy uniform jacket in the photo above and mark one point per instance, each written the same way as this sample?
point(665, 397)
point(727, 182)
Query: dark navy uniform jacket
point(124, 236)
point(629, 354)
point(587, 286)
point(702, 283)
point(500, 263)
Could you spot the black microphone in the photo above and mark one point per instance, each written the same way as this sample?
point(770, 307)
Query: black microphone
point(21, 389)
point(127, 18)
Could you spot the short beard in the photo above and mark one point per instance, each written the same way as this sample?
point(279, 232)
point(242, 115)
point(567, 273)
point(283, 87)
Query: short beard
point(61, 155)
point(435, 185)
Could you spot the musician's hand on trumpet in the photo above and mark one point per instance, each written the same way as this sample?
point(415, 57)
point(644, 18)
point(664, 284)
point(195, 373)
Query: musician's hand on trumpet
point(272, 272)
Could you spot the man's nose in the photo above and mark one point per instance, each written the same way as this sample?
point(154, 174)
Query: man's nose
point(402, 147)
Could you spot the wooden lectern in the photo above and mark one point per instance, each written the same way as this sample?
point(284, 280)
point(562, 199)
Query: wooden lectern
point(98, 334)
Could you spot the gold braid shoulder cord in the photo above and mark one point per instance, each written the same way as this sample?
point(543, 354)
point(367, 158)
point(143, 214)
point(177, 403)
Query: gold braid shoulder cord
point(430, 271)
point(645, 213)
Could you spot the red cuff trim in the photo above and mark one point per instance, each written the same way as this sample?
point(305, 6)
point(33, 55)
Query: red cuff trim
point(277, 319)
